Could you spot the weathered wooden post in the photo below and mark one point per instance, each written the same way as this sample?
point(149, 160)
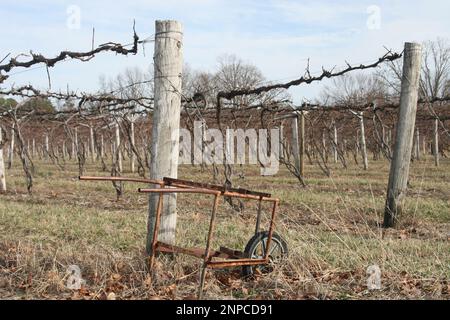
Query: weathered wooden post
point(335, 143)
point(282, 148)
point(302, 144)
point(34, 148)
point(64, 151)
point(118, 153)
point(295, 143)
point(113, 149)
point(398, 175)
point(417, 149)
point(92, 143)
point(47, 149)
point(436, 142)
point(389, 138)
point(77, 147)
point(132, 146)
point(102, 146)
point(424, 146)
point(2, 165)
point(363, 141)
point(168, 67)
point(11, 148)
point(324, 147)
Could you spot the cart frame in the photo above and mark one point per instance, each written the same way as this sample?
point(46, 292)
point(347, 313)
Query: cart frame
point(230, 257)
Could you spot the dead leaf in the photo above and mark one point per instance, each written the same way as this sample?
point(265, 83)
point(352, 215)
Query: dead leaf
point(171, 290)
point(116, 276)
point(148, 281)
point(111, 296)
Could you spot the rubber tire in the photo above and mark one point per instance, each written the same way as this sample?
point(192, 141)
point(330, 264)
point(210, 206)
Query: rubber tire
point(247, 271)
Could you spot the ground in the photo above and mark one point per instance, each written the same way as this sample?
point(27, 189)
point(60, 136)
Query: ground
point(332, 228)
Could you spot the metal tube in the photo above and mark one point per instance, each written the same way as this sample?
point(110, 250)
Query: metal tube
point(258, 217)
point(179, 190)
point(156, 230)
point(272, 222)
point(208, 245)
point(235, 263)
point(87, 178)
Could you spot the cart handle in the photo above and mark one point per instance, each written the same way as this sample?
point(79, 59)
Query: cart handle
point(179, 190)
point(142, 180)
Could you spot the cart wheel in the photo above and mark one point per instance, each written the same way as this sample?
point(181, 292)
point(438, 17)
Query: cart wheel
point(256, 249)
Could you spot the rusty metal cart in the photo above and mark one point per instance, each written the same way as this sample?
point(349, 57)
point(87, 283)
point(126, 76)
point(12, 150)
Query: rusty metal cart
point(262, 251)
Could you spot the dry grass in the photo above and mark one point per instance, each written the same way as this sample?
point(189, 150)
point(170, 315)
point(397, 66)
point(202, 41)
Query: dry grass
point(332, 228)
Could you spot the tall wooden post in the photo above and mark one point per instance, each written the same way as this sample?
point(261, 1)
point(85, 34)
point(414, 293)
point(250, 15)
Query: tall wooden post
point(2, 165)
point(295, 143)
point(132, 146)
point(34, 148)
point(363, 141)
point(417, 149)
point(102, 146)
point(47, 149)
point(389, 138)
point(168, 67)
point(398, 175)
point(76, 142)
point(424, 146)
point(113, 149)
point(118, 154)
point(64, 153)
point(282, 149)
point(92, 143)
point(11, 148)
point(436, 142)
point(302, 144)
point(335, 143)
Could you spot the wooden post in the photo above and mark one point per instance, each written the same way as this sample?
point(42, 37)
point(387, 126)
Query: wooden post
point(11, 148)
point(417, 144)
point(295, 143)
point(2, 165)
point(398, 175)
point(64, 153)
point(363, 141)
point(424, 146)
point(113, 149)
point(302, 144)
point(88, 152)
point(436, 142)
point(92, 143)
point(118, 153)
point(47, 149)
point(133, 156)
point(281, 129)
point(389, 139)
point(76, 142)
point(335, 142)
point(102, 146)
point(168, 67)
point(34, 148)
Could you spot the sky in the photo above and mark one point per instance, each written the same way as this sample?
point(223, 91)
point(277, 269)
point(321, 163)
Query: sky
point(277, 36)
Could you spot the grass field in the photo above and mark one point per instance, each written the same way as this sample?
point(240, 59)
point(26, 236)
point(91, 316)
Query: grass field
point(332, 229)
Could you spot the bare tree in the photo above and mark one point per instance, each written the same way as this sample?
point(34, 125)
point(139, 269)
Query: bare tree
point(434, 77)
point(435, 73)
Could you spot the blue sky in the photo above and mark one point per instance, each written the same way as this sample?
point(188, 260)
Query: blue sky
point(277, 36)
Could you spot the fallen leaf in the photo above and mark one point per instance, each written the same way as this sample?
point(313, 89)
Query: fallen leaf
point(111, 296)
